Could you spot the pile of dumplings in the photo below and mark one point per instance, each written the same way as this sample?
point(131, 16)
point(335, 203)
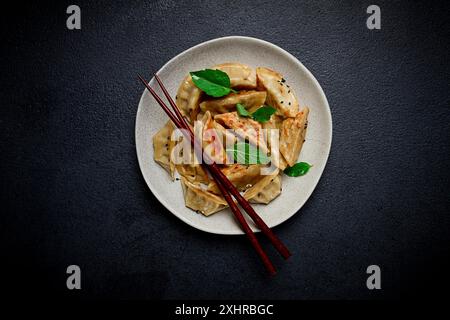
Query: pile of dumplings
point(256, 87)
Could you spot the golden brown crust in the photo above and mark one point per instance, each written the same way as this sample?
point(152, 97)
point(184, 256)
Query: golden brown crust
point(251, 99)
point(188, 98)
point(279, 93)
point(292, 136)
point(241, 75)
point(241, 176)
point(163, 146)
point(201, 200)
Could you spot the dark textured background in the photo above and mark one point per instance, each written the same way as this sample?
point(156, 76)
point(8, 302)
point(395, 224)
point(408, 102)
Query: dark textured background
point(72, 192)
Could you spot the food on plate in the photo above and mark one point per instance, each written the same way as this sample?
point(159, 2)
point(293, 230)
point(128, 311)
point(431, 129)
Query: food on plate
point(292, 136)
point(249, 123)
point(251, 99)
point(188, 97)
point(162, 147)
point(200, 200)
point(279, 93)
point(241, 75)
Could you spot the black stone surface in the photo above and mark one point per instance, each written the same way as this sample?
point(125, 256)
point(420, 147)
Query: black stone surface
point(72, 192)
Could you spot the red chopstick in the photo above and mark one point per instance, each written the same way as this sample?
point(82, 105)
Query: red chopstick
point(276, 242)
point(225, 186)
point(250, 235)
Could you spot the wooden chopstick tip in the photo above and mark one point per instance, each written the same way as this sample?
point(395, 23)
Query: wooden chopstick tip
point(141, 78)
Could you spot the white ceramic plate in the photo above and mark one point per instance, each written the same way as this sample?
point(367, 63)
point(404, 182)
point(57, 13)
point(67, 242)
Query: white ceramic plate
point(254, 52)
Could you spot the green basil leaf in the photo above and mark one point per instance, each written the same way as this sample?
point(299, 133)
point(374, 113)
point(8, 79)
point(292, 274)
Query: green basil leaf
point(242, 111)
point(245, 153)
point(264, 113)
point(298, 169)
point(214, 83)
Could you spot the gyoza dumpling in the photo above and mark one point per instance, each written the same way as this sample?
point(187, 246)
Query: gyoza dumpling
point(229, 139)
point(188, 97)
point(279, 94)
point(241, 75)
point(251, 99)
point(188, 166)
point(212, 139)
point(162, 147)
point(275, 123)
point(193, 172)
point(245, 128)
point(268, 192)
point(241, 176)
point(292, 136)
point(282, 163)
point(265, 190)
point(201, 200)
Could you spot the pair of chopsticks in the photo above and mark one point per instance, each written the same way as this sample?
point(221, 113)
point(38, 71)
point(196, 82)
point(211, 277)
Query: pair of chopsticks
point(225, 186)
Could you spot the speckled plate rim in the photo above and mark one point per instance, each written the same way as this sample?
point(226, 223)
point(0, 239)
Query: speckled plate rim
point(163, 199)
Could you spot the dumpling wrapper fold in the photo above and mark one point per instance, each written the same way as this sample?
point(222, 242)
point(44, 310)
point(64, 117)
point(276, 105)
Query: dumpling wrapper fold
point(201, 200)
point(292, 136)
point(162, 148)
point(241, 176)
point(188, 98)
point(244, 128)
point(279, 94)
point(265, 190)
point(241, 75)
point(251, 99)
point(213, 136)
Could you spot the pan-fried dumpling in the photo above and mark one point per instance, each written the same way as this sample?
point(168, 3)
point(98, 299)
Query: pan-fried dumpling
point(282, 163)
point(193, 172)
point(292, 136)
point(245, 128)
point(229, 139)
point(279, 94)
point(265, 190)
point(162, 147)
point(273, 123)
point(188, 97)
point(251, 99)
point(212, 140)
point(201, 200)
point(241, 75)
point(188, 166)
point(241, 176)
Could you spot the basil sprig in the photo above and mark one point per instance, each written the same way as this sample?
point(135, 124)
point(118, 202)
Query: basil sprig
point(214, 83)
point(298, 169)
point(263, 114)
point(242, 111)
point(245, 153)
